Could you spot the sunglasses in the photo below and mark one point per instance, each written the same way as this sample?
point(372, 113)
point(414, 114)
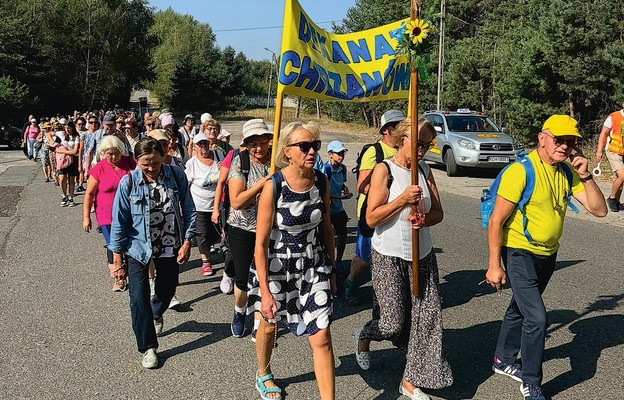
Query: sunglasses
point(306, 146)
point(340, 153)
point(93, 122)
point(559, 141)
point(424, 146)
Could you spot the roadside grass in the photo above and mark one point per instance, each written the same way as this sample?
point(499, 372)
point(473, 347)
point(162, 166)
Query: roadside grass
point(327, 124)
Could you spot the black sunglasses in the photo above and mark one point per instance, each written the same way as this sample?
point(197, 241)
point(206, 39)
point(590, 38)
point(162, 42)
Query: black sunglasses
point(93, 122)
point(424, 146)
point(306, 146)
point(559, 141)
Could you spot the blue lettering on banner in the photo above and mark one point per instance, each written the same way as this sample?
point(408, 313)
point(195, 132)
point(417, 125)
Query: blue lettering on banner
point(323, 82)
point(359, 51)
point(388, 77)
point(372, 84)
point(401, 78)
point(338, 55)
point(307, 72)
point(292, 58)
point(304, 29)
point(336, 86)
point(382, 47)
point(354, 89)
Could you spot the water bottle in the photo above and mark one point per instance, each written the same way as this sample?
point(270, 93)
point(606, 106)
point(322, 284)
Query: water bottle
point(485, 195)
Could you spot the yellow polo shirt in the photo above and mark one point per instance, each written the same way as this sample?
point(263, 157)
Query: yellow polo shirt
point(545, 224)
point(369, 160)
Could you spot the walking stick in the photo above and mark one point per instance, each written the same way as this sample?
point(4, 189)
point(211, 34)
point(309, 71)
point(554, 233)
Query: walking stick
point(413, 114)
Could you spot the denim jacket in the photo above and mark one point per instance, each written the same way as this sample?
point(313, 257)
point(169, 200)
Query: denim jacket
point(130, 230)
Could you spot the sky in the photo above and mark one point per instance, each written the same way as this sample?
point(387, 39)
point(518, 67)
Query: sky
point(251, 25)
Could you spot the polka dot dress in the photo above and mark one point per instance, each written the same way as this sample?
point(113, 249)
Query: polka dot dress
point(298, 267)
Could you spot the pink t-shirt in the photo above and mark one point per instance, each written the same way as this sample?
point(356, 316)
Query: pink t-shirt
point(31, 132)
point(108, 179)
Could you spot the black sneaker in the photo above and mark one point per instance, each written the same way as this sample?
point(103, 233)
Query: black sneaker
point(70, 202)
point(64, 201)
point(514, 371)
point(531, 392)
point(351, 293)
point(614, 205)
point(238, 325)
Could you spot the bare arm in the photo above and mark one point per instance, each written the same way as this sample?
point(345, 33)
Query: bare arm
point(264, 224)
point(591, 198)
point(602, 141)
point(241, 197)
point(223, 174)
point(363, 183)
point(92, 186)
point(502, 210)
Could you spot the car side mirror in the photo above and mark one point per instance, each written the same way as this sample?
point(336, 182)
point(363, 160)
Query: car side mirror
point(505, 130)
point(438, 128)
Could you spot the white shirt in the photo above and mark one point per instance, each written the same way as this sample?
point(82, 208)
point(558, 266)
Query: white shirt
point(394, 238)
point(203, 181)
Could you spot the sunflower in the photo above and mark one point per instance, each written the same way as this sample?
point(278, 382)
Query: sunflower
point(417, 30)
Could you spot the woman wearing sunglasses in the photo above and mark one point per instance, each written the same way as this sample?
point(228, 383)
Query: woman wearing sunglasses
point(413, 324)
point(292, 277)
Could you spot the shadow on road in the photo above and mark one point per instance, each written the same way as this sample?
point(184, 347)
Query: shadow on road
point(212, 334)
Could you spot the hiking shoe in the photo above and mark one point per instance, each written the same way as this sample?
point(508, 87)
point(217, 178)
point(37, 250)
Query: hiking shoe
point(158, 325)
point(514, 371)
point(254, 332)
point(64, 201)
point(531, 392)
point(150, 359)
point(362, 357)
point(206, 270)
point(238, 324)
point(174, 302)
point(350, 292)
point(613, 204)
point(70, 202)
point(227, 284)
point(80, 189)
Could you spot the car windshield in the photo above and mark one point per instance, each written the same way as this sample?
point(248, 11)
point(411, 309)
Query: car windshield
point(470, 123)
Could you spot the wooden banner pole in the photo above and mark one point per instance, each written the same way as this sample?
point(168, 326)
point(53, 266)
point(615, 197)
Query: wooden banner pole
point(413, 115)
point(279, 102)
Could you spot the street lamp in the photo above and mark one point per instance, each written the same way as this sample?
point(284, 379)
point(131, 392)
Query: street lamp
point(273, 57)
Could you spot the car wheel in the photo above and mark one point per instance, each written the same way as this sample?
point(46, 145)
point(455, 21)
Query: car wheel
point(452, 169)
point(15, 143)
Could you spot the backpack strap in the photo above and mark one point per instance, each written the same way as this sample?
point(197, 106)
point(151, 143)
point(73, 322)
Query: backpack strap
point(379, 154)
point(278, 177)
point(390, 177)
point(328, 170)
point(568, 174)
point(245, 163)
point(526, 194)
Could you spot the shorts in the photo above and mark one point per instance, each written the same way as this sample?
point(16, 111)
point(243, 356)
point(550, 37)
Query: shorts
point(363, 246)
point(72, 170)
point(615, 160)
point(339, 222)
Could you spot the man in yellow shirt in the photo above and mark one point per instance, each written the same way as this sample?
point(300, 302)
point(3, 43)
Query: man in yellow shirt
point(361, 261)
point(530, 265)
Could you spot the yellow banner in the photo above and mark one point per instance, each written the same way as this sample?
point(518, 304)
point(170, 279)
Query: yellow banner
point(359, 66)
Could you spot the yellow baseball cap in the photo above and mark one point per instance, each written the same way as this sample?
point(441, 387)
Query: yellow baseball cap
point(561, 125)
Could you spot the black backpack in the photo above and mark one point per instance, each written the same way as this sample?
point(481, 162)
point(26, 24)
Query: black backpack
point(379, 157)
point(245, 165)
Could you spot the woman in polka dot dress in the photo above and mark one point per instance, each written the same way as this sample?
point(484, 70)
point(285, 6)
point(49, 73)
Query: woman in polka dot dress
point(292, 278)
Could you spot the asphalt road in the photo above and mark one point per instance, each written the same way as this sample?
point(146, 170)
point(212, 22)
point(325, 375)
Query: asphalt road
point(67, 336)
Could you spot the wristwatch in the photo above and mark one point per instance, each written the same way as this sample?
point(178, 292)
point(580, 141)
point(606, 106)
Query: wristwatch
point(587, 178)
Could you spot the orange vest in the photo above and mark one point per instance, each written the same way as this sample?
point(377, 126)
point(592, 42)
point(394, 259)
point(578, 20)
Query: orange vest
point(616, 145)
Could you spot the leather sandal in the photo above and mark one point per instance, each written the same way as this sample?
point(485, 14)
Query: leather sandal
point(264, 391)
point(362, 357)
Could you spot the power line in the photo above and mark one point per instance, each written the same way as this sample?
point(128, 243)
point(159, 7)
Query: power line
point(264, 27)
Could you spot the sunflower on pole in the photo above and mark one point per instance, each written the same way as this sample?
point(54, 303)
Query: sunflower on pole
point(416, 42)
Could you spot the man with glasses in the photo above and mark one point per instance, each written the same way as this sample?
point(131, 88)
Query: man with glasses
point(529, 260)
point(381, 150)
point(132, 135)
point(612, 141)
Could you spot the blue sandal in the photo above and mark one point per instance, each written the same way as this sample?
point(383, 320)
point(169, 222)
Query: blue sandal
point(263, 390)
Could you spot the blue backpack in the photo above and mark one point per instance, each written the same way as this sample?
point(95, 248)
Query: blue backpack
point(489, 195)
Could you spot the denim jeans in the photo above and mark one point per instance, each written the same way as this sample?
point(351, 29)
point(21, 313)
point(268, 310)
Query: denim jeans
point(31, 148)
point(143, 310)
point(524, 324)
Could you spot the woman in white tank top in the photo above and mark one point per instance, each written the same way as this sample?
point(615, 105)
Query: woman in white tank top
point(413, 324)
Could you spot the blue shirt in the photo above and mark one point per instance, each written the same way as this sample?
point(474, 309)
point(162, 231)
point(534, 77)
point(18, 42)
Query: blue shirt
point(337, 178)
point(130, 230)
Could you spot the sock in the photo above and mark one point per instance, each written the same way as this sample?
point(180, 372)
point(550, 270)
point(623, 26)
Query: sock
point(242, 310)
point(204, 262)
point(256, 324)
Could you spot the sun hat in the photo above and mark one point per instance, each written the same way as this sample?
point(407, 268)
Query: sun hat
point(62, 121)
point(166, 118)
point(224, 133)
point(47, 125)
point(158, 134)
point(205, 117)
point(33, 120)
point(336, 146)
point(561, 125)
point(255, 127)
point(188, 116)
point(200, 137)
point(108, 120)
point(389, 117)
point(120, 120)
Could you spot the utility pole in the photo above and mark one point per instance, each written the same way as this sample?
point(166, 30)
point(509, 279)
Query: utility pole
point(441, 51)
point(273, 59)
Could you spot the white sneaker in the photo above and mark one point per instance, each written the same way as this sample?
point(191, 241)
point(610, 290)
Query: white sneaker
point(174, 302)
point(150, 359)
point(227, 284)
point(362, 357)
point(158, 325)
point(417, 394)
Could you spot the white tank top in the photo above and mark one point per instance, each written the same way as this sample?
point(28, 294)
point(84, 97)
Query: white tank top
point(394, 238)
